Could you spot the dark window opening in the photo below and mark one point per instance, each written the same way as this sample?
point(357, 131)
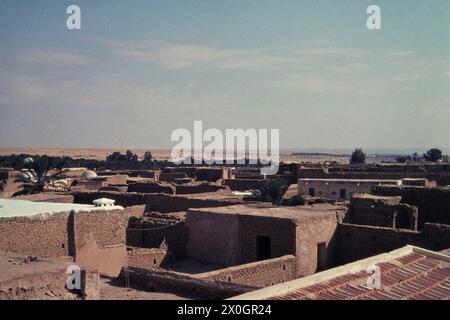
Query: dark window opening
point(311, 192)
point(321, 256)
point(263, 248)
point(342, 193)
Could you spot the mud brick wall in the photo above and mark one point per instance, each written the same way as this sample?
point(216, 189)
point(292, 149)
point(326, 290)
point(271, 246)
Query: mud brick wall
point(167, 203)
point(171, 176)
point(170, 235)
point(61, 234)
point(358, 242)
point(244, 184)
point(148, 258)
point(48, 281)
point(107, 227)
point(164, 280)
point(90, 285)
point(261, 274)
point(154, 202)
point(41, 236)
point(433, 203)
point(382, 212)
point(151, 187)
point(201, 188)
point(439, 173)
point(282, 233)
point(191, 172)
point(209, 174)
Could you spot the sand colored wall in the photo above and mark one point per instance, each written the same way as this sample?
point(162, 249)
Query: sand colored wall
point(261, 274)
point(358, 242)
point(154, 202)
point(42, 236)
point(230, 239)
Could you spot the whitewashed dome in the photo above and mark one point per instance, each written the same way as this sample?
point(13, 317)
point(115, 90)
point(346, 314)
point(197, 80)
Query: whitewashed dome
point(88, 174)
point(28, 160)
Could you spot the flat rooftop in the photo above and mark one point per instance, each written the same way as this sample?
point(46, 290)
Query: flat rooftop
point(384, 181)
point(299, 213)
point(24, 208)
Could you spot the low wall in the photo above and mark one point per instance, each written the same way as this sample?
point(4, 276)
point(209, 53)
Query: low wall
point(151, 187)
point(44, 280)
point(154, 202)
point(358, 242)
point(244, 184)
point(166, 176)
point(210, 174)
point(163, 280)
point(260, 274)
point(201, 188)
point(148, 258)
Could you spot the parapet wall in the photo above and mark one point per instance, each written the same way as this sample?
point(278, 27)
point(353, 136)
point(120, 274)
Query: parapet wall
point(24, 278)
point(164, 280)
point(151, 187)
point(199, 188)
point(358, 242)
point(244, 184)
point(440, 174)
point(154, 202)
point(260, 274)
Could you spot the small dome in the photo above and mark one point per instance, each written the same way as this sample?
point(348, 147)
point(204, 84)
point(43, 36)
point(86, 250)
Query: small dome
point(88, 174)
point(28, 160)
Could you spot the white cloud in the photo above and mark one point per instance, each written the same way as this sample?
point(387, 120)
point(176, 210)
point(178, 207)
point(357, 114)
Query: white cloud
point(350, 68)
point(183, 56)
point(53, 57)
point(334, 51)
point(337, 84)
point(401, 53)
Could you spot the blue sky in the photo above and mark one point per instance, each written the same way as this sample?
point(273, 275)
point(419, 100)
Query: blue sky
point(137, 70)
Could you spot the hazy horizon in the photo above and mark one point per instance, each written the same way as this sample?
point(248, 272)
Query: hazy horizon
point(136, 71)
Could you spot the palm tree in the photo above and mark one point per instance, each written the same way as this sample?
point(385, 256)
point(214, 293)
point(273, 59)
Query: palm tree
point(36, 173)
point(273, 190)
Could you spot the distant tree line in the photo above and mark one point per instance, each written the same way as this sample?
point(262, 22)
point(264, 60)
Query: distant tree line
point(114, 161)
point(432, 155)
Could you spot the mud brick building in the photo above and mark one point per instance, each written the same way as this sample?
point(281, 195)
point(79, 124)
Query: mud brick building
point(247, 233)
point(339, 189)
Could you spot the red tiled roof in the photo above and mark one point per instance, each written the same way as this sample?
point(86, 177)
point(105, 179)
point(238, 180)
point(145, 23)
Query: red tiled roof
point(413, 276)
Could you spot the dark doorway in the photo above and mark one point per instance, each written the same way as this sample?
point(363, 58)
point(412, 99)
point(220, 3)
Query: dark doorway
point(342, 193)
point(263, 248)
point(321, 256)
point(312, 192)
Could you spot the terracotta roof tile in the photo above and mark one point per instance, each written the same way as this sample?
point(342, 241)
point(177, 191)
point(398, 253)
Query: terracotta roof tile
point(413, 276)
